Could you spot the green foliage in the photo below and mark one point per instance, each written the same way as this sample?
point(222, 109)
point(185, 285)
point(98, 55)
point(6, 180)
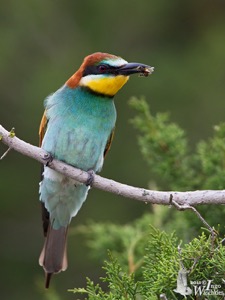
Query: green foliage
point(164, 147)
point(159, 262)
point(126, 242)
point(144, 261)
point(211, 156)
point(174, 166)
point(122, 286)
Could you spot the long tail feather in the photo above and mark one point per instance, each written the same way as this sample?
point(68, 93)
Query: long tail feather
point(53, 256)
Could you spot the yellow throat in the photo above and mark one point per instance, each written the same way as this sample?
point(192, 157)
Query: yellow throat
point(107, 85)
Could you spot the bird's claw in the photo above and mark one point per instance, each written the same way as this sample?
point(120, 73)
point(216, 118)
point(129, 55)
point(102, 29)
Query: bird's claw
point(91, 177)
point(48, 158)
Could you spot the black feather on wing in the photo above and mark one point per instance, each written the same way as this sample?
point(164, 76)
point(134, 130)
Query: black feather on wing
point(109, 142)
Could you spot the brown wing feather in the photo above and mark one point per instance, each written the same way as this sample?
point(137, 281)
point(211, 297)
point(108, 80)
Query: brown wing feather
point(45, 213)
point(42, 128)
point(109, 142)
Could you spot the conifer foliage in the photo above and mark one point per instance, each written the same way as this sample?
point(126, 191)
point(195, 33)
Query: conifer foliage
point(166, 254)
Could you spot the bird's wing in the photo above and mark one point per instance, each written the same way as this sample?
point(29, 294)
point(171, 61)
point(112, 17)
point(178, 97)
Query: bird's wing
point(109, 142)
point(45, 213)
point(42, 128)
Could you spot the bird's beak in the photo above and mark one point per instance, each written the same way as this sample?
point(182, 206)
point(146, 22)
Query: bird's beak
point(133, 68)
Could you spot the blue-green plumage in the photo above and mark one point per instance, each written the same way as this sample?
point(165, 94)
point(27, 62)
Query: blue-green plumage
point(79, 126)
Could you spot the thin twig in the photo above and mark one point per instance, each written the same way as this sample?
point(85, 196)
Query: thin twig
point(193, 265)
point(4, 154)
point(223, 240)
point(187, 206)
point(181, 260)
point(132, 266)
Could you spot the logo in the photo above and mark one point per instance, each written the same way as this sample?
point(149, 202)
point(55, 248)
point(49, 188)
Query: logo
point(207, 288)
point(199, 287)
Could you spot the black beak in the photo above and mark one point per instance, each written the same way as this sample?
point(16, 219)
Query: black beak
point(133, 68)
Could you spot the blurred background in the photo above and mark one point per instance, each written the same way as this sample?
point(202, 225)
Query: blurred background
point(42, 44)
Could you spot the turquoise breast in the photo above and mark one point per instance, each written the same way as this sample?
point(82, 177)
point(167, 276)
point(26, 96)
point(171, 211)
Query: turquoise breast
point(79, 126)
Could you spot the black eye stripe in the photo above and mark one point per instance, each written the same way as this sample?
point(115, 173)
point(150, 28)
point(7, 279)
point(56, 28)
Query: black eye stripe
point(100, 69)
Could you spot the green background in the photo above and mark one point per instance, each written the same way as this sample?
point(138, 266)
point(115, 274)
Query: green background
point(42, 45)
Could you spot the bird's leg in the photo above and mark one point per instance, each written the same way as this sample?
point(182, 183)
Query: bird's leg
point(91, 177)
point(48, 158)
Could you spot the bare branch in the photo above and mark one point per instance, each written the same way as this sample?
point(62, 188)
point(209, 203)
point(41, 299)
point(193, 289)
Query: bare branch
point(190, 198)
point(187, 206)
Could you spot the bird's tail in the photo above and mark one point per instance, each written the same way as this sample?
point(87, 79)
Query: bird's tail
point(53, 256)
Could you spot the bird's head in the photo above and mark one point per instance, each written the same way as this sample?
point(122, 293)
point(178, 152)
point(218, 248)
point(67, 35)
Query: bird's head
point(105, 74)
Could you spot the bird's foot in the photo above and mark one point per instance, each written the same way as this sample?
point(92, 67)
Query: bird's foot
point(48, 158)
point(91, 177)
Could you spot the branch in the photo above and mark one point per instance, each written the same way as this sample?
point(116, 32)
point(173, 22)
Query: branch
point(191, 198)
point(187, 206)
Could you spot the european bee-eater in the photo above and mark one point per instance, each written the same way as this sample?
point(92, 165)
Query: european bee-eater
point(77, 128)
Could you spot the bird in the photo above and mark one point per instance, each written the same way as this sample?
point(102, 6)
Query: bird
point(77, 128)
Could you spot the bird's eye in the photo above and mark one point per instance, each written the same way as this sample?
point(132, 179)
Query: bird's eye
point(102, 68)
